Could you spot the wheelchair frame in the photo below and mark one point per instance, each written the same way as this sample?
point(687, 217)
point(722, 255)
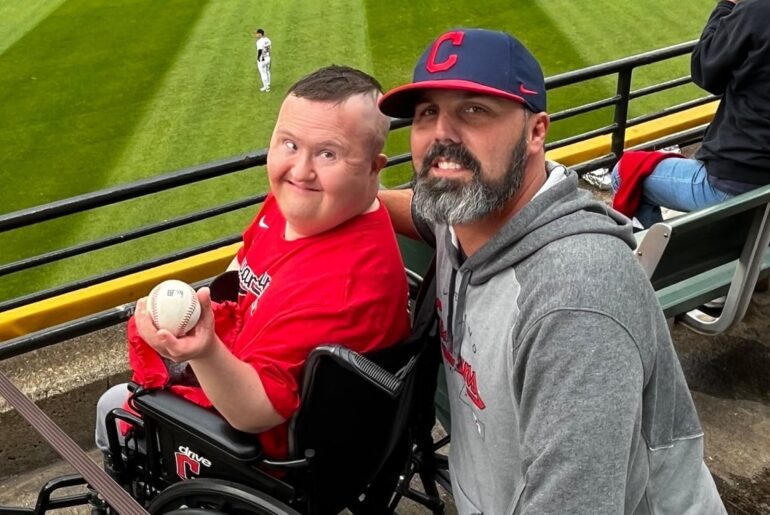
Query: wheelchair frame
point(323, 474)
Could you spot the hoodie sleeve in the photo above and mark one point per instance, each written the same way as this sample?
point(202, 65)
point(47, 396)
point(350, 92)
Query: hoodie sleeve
point(722, 47)
point(580, 390)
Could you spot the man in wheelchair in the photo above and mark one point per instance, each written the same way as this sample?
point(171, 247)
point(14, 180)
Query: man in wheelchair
point(319, 264)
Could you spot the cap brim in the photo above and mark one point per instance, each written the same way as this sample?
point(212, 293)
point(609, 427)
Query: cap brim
point(399, 102)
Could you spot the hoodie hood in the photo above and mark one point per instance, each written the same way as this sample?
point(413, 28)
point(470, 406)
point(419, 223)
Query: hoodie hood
point(560, 211)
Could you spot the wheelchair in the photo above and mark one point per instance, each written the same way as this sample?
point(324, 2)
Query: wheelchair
point(362, 431)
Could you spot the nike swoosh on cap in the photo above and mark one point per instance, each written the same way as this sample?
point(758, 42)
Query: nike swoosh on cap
point(526, 91)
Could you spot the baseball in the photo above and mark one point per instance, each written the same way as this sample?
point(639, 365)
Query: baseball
point(173, 305)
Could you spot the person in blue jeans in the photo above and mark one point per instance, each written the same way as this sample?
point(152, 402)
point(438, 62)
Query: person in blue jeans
point(732, 58)
point(676, 183)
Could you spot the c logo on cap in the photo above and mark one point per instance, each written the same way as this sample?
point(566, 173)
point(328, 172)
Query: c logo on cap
point(432, 66)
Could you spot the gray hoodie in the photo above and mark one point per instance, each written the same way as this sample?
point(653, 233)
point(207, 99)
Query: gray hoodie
point(566, 394)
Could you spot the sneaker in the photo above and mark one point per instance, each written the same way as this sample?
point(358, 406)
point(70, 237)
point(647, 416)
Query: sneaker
point(709, 311)
point(703, 317)
point(600, 179)
point(717, 303)
point(673, 148)
point(263, 89)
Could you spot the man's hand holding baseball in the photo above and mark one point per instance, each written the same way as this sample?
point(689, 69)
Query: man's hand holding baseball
point(197, 344)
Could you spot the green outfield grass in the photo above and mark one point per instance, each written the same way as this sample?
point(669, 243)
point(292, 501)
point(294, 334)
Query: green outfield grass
point(96, 93)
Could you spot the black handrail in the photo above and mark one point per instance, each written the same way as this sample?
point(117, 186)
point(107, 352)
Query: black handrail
point(140, 188)
point(622, 68)
point(58, 255)
point(612, 67)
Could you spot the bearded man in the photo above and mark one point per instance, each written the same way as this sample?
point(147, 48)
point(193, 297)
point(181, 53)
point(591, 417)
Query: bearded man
point(565, 392)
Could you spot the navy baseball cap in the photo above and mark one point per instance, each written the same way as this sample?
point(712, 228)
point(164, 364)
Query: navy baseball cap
point(477, 60)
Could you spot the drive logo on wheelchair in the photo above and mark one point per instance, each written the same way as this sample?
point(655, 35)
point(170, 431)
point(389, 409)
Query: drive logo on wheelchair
point(188, 462)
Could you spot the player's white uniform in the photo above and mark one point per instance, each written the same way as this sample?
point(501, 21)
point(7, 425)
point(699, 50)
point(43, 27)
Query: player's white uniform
point(263, 61)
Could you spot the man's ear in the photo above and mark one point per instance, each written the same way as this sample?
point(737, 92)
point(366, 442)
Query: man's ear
point(378, 163)
point(537, 131)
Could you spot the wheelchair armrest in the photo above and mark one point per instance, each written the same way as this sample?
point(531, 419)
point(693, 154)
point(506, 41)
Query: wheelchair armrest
point(206, 424)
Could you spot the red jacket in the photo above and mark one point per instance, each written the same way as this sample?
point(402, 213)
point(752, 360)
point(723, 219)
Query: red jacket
point(150, 371)
point(634, 167)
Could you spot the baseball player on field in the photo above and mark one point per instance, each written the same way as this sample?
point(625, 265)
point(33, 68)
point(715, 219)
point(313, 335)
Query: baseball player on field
point(263, 59)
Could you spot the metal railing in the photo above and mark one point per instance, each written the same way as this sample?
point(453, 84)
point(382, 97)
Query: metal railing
point(622, 69)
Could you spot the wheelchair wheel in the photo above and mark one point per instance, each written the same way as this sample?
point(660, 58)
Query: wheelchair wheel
point(214, 496)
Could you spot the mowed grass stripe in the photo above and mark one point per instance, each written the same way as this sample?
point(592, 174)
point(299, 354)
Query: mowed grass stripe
point(71, 91)
point(17, 17)
point(605, 31)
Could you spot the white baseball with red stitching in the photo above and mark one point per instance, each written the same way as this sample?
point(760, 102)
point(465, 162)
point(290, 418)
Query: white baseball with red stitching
point(173, 305)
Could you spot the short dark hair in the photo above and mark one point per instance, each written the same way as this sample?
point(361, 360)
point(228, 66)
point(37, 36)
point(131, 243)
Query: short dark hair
point(260, 31)
point(335, 84)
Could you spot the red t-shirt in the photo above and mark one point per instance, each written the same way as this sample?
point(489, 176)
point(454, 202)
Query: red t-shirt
point(344, 286)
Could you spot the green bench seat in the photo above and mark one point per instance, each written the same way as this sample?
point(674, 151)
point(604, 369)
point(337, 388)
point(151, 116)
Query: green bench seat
point(699, 256)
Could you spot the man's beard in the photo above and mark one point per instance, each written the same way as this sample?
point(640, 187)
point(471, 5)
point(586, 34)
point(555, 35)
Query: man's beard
point(448, 201)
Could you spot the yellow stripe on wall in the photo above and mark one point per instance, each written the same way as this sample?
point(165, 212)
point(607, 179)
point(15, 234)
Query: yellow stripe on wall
point(99, 297)
point(601, 145)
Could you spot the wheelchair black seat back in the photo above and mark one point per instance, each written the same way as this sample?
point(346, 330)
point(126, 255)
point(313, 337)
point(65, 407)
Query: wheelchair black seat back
point(348, 442)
